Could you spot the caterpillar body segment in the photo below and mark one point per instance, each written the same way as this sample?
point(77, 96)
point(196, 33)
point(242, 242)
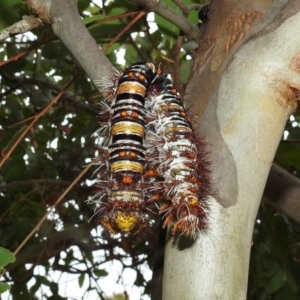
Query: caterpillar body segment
point(181, 160)
point(123, 208)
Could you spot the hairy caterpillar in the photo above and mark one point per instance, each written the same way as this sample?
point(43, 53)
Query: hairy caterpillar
point(121, 194)
point(177, 154)
point(170, 167)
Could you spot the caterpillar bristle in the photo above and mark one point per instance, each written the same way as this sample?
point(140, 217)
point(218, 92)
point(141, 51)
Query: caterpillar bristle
point(182, 161)
point(123, 209)
point(150, 157)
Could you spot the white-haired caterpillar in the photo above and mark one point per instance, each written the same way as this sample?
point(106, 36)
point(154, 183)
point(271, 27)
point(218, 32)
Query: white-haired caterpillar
point(179, 157)
point(122, 205)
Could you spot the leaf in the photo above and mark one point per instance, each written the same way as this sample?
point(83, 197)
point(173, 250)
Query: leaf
point(285, 294)
point(6, 257)
point(83, 4)
point(291, 282)
point(88, 20)
point(9, 13)
point(4, 287)
point(100, 273)
point(288, 155)
point(185, 68)
point(81, 279)
point(275, 281)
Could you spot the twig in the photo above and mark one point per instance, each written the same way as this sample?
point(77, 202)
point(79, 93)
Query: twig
point(121, 16)
point(28, 23)
point(141, 54)
point(36, 118)
point(189, 29)
point(25, 52)
point(37, 227)
point(187, 8)
point(41, 181)
point(178, 46)
point(124, 30)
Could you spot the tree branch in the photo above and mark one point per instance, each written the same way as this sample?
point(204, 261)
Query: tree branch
point(282, 191)
point(41, 181)
point(67, 97)
point(68, 26)
point(190, 30)
point(55, 243)
point(28, 23)
point(186, 9)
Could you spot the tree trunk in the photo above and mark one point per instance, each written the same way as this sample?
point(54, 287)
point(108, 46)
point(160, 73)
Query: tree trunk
point(243, 124)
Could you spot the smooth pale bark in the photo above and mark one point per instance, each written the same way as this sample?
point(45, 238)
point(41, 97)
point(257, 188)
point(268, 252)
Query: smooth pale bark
point(243, 125)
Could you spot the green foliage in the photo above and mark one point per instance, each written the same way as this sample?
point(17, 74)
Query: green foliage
point(288, 151)
point(275, 260)
point(4, 287)
point(6, 257)
point(54, 152)
point(170, 31)
point(11, 12)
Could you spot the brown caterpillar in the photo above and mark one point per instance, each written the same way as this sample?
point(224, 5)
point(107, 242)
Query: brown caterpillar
point(180, 159)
